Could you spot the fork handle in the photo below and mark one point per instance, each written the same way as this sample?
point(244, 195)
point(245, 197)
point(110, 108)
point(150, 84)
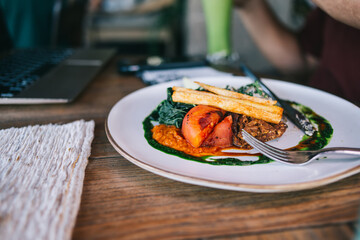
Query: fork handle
point(341, 150)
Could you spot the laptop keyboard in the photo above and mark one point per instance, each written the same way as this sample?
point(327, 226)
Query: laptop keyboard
point(23, 67)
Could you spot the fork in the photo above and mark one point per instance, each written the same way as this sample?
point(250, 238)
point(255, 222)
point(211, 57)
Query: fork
point(295, 157)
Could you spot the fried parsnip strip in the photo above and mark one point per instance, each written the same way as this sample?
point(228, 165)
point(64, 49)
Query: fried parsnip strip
point(228, 93)
point(268, 108)
point(228, 104)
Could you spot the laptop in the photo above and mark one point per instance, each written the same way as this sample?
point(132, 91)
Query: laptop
point(46, 75)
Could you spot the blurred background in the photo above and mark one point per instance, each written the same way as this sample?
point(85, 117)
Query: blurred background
point(166, 28)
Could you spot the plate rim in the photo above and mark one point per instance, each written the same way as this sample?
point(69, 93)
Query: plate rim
point(259, 188)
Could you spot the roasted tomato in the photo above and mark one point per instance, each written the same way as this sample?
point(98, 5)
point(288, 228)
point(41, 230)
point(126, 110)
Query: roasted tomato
point(222, 134)
point(199, 123)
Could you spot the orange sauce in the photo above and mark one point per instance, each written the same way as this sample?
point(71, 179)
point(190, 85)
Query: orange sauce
point(170, 136)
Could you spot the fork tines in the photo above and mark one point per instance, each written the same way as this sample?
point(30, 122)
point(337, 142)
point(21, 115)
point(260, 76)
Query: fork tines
point(265, 149)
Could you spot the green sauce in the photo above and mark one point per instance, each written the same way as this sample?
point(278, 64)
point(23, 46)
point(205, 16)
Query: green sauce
point(321, 137)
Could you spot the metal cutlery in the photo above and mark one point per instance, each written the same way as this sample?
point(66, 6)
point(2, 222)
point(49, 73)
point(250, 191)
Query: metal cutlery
point(292, 114)
point(295, 157)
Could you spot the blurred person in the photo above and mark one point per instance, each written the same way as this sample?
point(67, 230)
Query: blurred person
point(45, 23)
point(28, 22)
point(327, 45)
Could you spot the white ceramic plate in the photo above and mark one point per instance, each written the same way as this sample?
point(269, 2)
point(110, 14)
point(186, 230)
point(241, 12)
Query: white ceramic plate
point(125, 132)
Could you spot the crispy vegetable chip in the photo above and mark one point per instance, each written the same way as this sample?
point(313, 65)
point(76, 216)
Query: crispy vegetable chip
point(257, 110)
point(228, 93)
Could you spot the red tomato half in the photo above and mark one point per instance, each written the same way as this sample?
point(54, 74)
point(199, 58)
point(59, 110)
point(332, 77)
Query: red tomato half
point(199, 123)
point(222, 134)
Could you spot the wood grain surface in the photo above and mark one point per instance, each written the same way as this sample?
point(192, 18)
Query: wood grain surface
point(123, 201)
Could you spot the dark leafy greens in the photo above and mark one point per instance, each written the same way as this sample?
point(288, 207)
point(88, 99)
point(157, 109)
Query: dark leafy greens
point(252, 89)
point(169, 112)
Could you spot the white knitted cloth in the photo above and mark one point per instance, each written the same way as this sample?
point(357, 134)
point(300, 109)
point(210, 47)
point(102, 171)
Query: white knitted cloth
point(42, 170)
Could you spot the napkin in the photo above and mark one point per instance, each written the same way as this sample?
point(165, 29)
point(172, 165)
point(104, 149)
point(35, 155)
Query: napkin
point(42, 170)
point(152, 77)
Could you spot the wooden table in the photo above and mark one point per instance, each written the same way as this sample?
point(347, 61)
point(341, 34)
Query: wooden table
point(123, 201)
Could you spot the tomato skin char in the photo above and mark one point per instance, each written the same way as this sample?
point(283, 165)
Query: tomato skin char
point(222, 135)
point(199, 122)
